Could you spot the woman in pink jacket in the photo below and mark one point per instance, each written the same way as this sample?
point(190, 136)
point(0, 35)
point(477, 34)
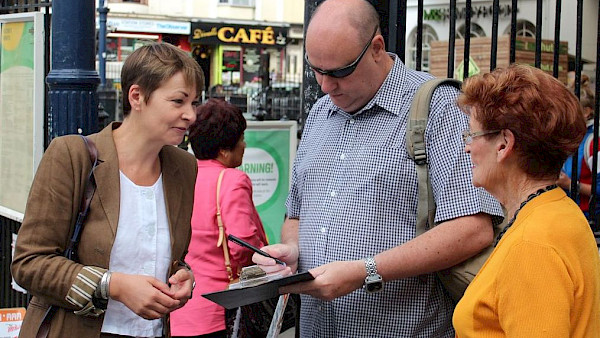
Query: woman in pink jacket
point(217, 139)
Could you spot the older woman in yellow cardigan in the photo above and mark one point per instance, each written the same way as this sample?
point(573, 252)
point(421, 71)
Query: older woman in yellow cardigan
point(543, 278)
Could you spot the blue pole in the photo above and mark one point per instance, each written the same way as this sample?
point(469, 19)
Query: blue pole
point(102, 14)
point(72, 80)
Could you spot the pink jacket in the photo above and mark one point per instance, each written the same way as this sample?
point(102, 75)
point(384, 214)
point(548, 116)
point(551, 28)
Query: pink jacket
point(201, 316)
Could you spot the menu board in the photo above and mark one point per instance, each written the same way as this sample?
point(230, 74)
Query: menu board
point(231, 60)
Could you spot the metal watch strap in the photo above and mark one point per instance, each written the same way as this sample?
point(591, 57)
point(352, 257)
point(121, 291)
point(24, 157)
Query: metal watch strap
point(371, 266)
point(373, 281)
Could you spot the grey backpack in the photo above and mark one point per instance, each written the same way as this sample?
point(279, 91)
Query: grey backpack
point(457, 278)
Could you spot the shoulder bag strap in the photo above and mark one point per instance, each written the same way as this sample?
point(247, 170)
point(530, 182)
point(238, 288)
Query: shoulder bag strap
point(222, 241)
point(71, 251)
point(90, 188)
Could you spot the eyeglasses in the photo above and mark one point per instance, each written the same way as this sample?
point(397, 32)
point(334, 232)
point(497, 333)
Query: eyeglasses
point(343, 71)
point(468, 136)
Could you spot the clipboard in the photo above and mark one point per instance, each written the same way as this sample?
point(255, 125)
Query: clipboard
point(231, 299)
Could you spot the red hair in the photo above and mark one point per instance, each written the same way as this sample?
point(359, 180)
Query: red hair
point(544, 116)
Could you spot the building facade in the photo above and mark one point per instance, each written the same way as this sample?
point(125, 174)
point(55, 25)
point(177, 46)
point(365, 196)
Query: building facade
point(436, 14)
point(241, 45)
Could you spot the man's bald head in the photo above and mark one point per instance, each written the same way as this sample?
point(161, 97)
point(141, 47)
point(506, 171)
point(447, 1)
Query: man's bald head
point(342, 36)
point(358, 15)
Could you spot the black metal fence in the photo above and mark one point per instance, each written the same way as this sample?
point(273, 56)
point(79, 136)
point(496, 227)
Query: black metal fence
point(8, 296)
point(279, 101)
point(538, 60)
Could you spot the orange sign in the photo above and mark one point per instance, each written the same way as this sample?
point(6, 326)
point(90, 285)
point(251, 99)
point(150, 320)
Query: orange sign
point(10, 321)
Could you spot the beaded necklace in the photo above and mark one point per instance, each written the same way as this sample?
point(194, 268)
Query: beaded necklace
point(529, 198)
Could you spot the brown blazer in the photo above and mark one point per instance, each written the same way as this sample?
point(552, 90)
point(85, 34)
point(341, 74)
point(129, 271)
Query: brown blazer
point(52, 208)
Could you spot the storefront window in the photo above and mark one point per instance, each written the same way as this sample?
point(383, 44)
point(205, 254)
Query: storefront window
point(251, 66)
point(112, 49)
point(476, 31)
point(429, 35)
point(275, 64)
point(524, 28)
point(231, 68)
point(119, 48)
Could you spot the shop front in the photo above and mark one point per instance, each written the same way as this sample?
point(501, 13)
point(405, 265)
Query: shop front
point(239, 59)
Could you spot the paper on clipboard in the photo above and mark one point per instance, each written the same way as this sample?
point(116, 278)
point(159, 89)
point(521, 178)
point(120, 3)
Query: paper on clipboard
point(231, 299)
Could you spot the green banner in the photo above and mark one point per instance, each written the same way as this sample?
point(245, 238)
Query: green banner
point(267, 162)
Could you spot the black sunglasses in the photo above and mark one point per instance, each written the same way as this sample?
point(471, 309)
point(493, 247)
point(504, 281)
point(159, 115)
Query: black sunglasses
point(343, 71)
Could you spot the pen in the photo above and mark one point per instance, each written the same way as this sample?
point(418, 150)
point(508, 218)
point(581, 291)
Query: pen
point(253, 248)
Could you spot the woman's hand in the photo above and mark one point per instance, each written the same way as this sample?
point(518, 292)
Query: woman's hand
point(146, 296)
point(181, 285)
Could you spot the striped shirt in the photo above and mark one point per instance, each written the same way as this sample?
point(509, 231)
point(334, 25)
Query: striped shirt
point(354, 189)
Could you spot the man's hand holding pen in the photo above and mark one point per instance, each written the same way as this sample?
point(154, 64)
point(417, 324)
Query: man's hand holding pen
point(332, 280)
point(285, 253)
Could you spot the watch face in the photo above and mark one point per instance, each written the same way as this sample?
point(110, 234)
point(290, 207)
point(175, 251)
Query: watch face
point(373, 283)
point(374, 287)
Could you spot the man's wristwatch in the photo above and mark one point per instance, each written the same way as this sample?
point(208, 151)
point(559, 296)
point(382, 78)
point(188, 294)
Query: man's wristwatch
point(373, 282)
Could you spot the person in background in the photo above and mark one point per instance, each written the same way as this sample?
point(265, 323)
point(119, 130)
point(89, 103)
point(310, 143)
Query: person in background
point(543, 277)
point(137, 232)
point(584, 153)
point(217, 139)
point(353, 200)
point(217, 91)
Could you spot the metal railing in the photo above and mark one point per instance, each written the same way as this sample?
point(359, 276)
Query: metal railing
point(538, 58)
point(8, 296)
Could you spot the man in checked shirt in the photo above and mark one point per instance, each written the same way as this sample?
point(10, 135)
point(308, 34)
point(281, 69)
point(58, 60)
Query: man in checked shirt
point(353, 201)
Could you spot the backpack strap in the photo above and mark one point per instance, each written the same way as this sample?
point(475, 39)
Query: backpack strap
point(86, 200)
point(415, 145)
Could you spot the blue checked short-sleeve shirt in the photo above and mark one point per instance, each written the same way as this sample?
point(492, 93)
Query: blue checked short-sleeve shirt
point(354, 190)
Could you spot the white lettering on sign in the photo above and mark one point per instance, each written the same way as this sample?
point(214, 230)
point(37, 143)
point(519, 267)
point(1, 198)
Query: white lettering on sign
point(149, 26)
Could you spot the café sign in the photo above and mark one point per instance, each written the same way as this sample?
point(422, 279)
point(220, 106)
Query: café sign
point(229, 34)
